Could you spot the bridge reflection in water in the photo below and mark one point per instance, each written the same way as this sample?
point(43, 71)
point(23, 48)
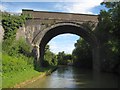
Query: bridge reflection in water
point(71, 77)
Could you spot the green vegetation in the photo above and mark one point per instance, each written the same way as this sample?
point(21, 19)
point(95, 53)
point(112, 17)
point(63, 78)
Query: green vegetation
point(64, 59)
point(11, 23)
point(17, 59)
point(16, 47)
point(109, 35)
point(82, 54)
point(13, 66)
point(17, 70)
point(50, 59)
point(17, 63)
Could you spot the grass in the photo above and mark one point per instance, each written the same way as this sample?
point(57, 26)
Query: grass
point(12, 79)
point(17, 70)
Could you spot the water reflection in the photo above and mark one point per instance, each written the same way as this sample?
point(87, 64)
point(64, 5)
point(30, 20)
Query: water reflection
point(71, 77)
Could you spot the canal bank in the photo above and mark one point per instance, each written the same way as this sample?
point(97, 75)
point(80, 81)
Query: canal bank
point(33, 79)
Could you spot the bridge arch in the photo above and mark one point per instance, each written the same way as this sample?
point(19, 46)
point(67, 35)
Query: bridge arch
point(44, 36)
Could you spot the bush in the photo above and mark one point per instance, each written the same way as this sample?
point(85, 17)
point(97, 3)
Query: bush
point(13, 57)
point(24, 47)
point(16, 48)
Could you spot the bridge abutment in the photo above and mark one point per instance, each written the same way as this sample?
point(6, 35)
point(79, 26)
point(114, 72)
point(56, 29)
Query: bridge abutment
point(36, 54)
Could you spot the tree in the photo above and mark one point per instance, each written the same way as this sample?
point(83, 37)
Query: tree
point(82, 56)
point(49, 57)
point(109, 35)
point(61, 58)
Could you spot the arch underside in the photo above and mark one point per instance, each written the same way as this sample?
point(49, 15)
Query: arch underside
point(46, 35)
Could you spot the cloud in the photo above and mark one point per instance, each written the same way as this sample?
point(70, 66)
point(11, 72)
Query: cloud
point(64, 42)
point(20, 9)
point(16, 7)
point(83, 6)
point(53, 47)
point(56, 47)
point(66, 36)
point(41, 0)
point(2, 7)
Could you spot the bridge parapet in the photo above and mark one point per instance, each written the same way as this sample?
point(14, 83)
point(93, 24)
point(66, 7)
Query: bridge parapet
point(61, 16)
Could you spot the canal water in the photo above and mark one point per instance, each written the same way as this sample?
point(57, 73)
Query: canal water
point(71, 77)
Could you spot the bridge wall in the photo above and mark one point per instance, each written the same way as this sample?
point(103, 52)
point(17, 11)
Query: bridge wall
point(42, 22)
point(61, 16)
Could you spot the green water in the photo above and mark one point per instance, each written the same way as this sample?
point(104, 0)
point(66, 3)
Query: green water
point(71, 77)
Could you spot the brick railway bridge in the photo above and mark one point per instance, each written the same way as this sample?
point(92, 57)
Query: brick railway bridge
point(43, 26)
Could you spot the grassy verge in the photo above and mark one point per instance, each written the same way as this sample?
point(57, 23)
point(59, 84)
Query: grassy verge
point(11, 79)
point(17, 70)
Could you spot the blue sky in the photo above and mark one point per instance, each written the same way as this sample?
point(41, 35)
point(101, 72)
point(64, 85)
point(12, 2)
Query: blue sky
point(64, 42)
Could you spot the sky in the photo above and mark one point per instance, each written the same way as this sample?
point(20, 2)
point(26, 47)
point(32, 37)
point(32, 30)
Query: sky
point(64, 42)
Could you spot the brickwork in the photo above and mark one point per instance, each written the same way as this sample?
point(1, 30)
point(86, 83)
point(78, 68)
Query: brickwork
point(61, 16)
point(43, 26)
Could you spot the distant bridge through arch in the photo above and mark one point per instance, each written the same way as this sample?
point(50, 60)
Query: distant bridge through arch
point(45, 25)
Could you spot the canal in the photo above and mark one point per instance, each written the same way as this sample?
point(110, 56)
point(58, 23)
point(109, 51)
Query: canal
point(71, 77)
